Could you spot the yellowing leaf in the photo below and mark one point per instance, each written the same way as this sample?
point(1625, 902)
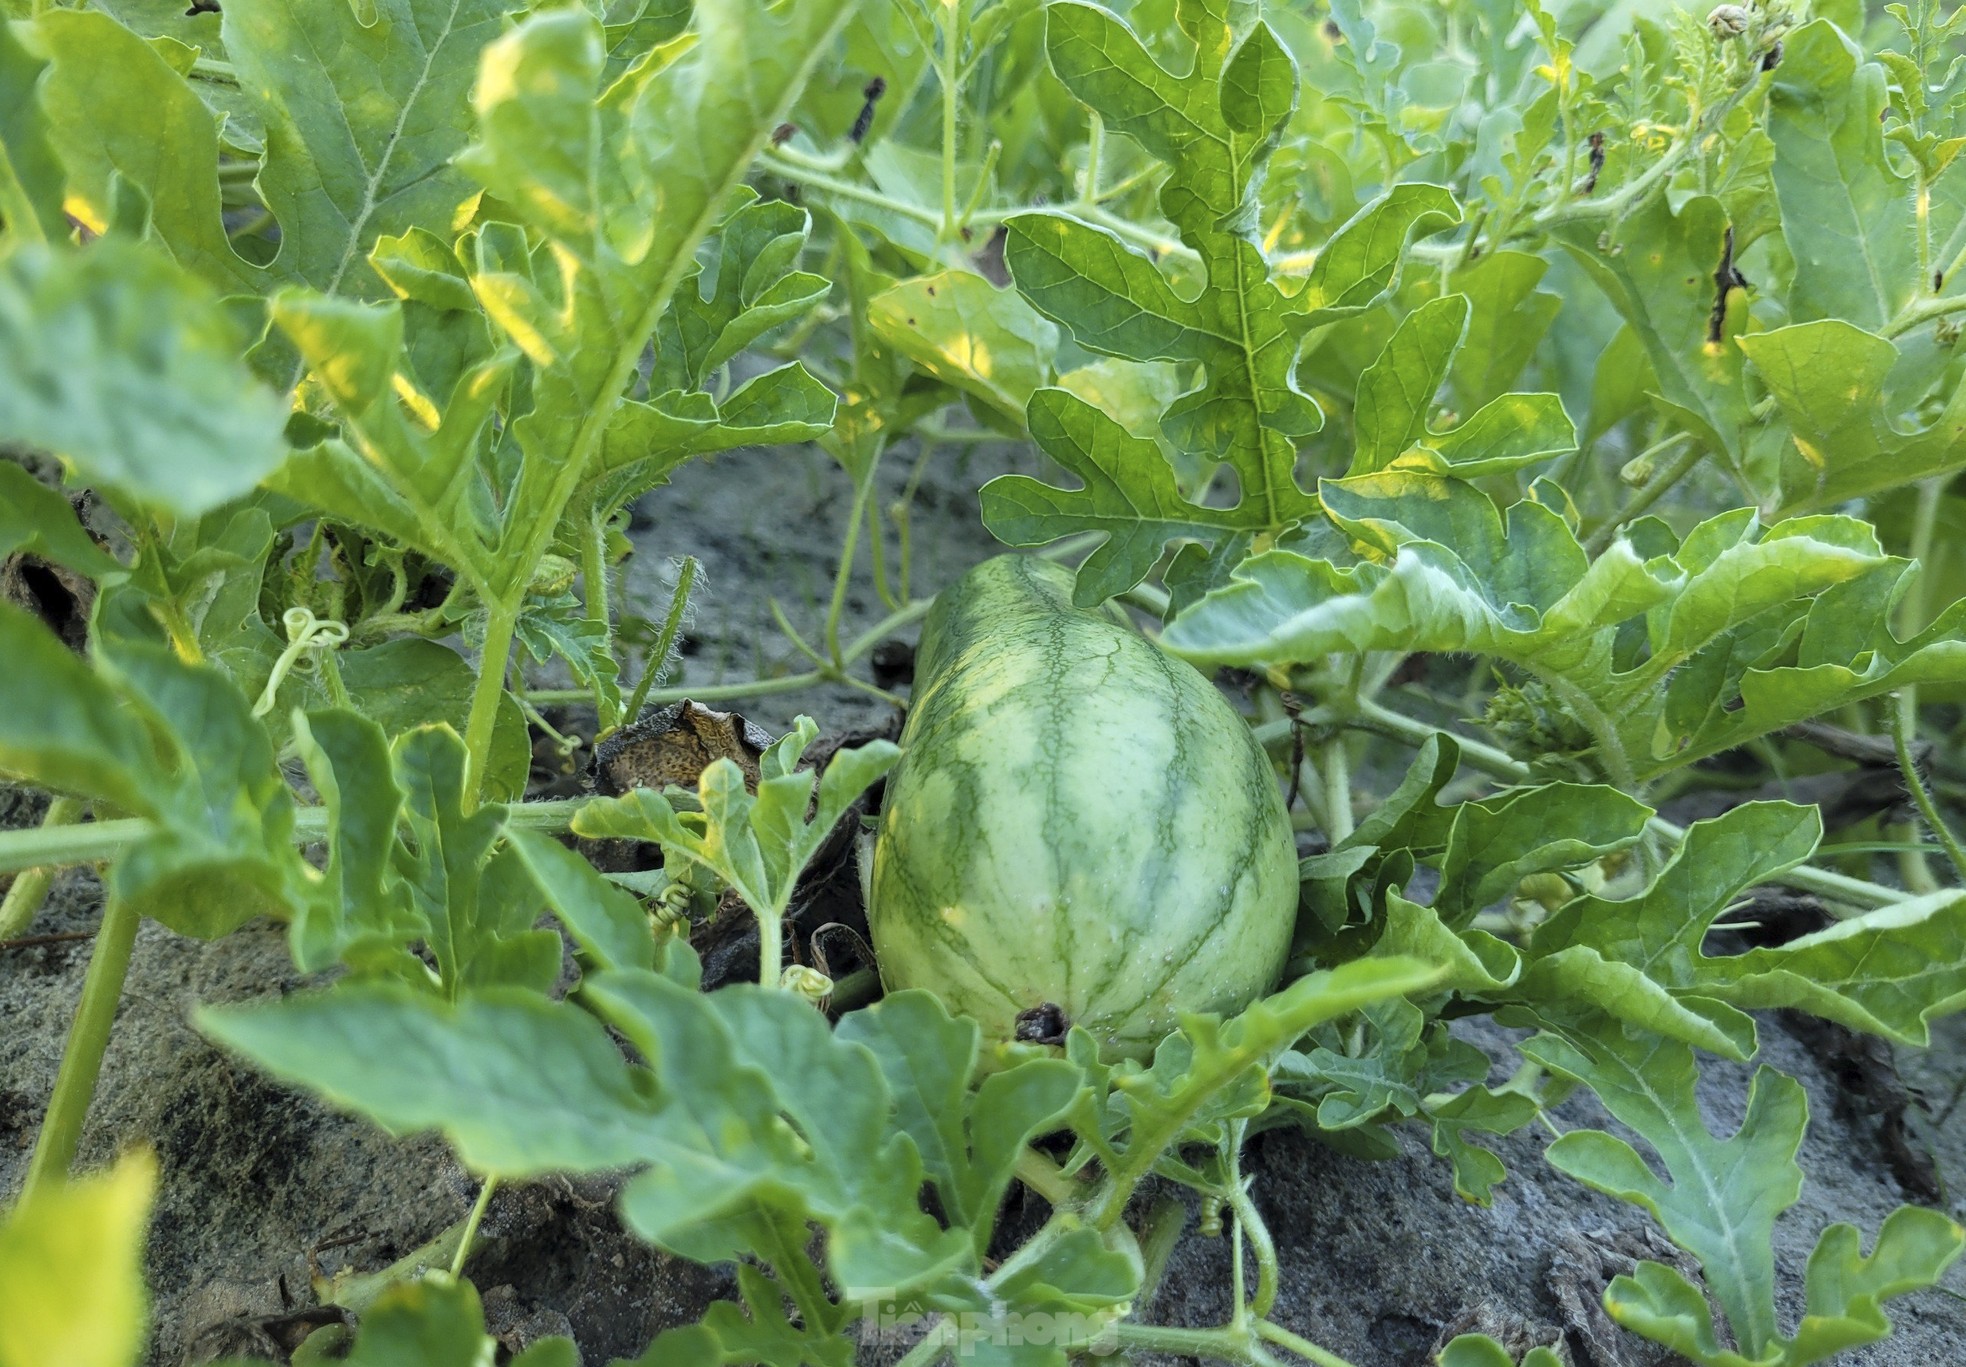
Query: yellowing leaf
point(1829, 378)
point(71, 1271)
point(969, 334)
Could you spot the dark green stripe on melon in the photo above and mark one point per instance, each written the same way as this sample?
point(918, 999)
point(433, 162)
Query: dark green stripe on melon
point(1079, 819)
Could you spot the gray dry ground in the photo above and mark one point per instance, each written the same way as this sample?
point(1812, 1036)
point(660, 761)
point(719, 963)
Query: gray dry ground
point(260, 1183)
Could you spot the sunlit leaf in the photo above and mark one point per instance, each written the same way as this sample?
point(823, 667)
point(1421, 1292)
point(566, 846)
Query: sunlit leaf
point(971, 335)
point(71, 1271)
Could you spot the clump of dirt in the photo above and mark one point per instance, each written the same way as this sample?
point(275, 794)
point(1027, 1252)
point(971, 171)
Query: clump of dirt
point(262, 1187)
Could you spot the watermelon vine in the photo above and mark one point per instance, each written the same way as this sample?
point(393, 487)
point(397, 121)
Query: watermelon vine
point(1486, 484)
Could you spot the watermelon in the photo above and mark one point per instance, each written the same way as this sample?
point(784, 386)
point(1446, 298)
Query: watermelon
point(1081, 830)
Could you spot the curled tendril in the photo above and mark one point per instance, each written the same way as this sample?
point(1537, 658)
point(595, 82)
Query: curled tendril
point(1211, 1217)
point(670, 907)
point(305, 632)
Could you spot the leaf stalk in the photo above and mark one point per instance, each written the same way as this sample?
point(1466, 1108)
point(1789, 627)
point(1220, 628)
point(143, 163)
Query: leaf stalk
point(501, 623)
point(30, 887)
point(1836, 888)
point(1654, 489)
point(594, 576)
point(88, 1039)
point(469, 1237)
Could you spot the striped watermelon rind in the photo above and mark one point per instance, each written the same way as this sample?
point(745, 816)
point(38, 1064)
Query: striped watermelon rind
point(1079, 821)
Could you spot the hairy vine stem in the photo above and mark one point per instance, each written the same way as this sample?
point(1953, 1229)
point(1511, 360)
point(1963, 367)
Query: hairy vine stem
point(1930, 310)
point(906, 615)
point(1921, 793)
point(664, 649)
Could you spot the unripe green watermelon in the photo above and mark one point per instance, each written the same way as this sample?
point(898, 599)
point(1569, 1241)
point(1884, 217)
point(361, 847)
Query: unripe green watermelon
point(1080, 825)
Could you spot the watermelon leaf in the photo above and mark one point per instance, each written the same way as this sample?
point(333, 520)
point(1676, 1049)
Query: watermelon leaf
point(1395, 403)
point(1215, 128)
point(970, 335)
point(1479, 1350)
point(1718, 1198)
point(1847, 214)
point(755, 844)
point(1443, 570)
point(1846, 447)
point(123, 365)
point(71, 1270)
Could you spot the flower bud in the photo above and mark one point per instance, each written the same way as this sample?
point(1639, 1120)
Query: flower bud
point(1728, 21)
point(554, 576)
